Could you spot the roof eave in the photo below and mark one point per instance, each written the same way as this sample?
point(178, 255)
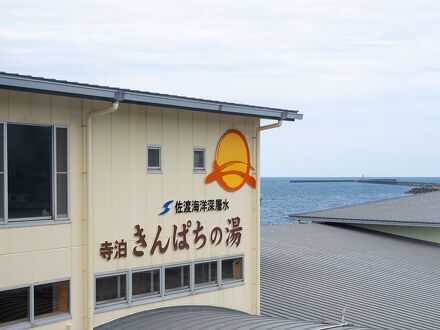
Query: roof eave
point(46, 86)
point(367, 221)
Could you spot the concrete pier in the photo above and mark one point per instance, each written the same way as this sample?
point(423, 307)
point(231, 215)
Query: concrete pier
point(420, 187)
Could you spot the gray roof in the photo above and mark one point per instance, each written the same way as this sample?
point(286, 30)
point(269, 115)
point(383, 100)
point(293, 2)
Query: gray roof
point(311, 271)
point(416, 210)
point(207, 317)
point(105, 93)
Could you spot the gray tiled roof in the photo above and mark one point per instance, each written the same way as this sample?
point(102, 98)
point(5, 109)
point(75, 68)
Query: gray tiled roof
point(208, 317)
point(416, 210)
point(26, 83)
point(311, 271)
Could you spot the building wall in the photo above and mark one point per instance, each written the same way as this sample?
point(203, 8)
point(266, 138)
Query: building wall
point(421, 233)
point(33, 254)
point(125, 195)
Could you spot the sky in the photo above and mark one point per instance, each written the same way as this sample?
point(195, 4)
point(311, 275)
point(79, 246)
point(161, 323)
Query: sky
point(365, 74)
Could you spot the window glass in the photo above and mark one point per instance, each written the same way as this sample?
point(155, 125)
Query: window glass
point(61, 172)
point(51, 299)
point(199, 159)
point(232, 269)
point(111, 289)
point(153, 157)
point(14, 306)
point(61, 135)
point(176, 278)
point(205, 273)
point(146, 283)
point(62, 206)
point(29, 171)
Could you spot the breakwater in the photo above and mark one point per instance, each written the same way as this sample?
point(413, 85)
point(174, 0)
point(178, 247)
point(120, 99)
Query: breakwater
point(419, 187)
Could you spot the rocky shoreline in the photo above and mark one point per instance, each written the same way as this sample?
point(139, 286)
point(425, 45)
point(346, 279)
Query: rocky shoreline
point(422, 190)
point(419, 187)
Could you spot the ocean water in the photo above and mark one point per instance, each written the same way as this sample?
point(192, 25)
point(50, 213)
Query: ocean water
point(281, 198)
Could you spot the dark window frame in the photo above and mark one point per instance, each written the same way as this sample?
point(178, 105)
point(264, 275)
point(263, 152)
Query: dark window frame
point(154, 169)
point(228, 281)
point(199, 169)
point(131, 300)
point(183, 288)
point(32, 321)
point(209, 283)
point(54, 217)
point(139, 297)
point(116, 301)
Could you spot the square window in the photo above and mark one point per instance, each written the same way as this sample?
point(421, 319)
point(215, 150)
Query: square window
point(176, 278)
point(14, 306)
point(154, 158)
point(111, 289)
point(51, 299)
point(199, 159)
point(232, 269)
point(205, 274)
point(146, 284)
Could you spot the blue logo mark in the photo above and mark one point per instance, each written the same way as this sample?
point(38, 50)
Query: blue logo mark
point(166, 207)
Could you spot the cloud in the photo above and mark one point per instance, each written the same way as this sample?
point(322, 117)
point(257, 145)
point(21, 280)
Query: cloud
point(342, 63)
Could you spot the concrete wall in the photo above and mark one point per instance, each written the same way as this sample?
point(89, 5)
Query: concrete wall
point(421, 233)
point(126, 195)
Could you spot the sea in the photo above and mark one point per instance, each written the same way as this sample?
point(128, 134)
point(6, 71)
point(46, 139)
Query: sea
point(281, 198)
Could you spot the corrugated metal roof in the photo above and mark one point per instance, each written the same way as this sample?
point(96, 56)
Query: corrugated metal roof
point(106, 93)
point(417, 210)
point(208, 317)
point(312, 271)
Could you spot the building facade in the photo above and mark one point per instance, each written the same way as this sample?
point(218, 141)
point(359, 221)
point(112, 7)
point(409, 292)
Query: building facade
point(116, 201)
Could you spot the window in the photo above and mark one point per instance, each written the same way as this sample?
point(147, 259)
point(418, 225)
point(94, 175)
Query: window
point(111, 289)
point(29, 171)
point(51, 299)
point(205, 274)
point(34, 172)
point(176, 278)
point(48, 300)
point(145, 283)
point(62, 173)
point(199, 160)
point(14, 306)
point(139, 286)
point(153, 159)
point(232, 269)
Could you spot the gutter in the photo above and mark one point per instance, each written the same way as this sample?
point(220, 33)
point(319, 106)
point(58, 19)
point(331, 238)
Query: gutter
point(104, 93)
point(256, 270)
point(89, 193)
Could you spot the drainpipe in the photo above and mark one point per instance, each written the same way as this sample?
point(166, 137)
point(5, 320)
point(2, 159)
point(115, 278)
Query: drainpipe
point(257, 204)
point(263, 128)
point(89, 183)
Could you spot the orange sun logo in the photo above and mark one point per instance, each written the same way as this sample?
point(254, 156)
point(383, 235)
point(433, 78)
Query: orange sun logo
point(232, 162)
